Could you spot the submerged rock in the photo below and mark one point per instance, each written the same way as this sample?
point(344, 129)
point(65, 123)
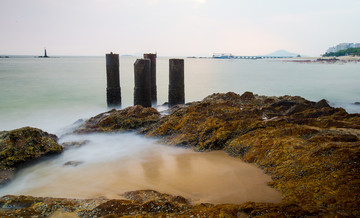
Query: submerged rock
point(76, 144)
point(23, 145)
point(73, 163)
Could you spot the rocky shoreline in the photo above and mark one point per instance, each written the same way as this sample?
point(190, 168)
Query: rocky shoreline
point(310, 149)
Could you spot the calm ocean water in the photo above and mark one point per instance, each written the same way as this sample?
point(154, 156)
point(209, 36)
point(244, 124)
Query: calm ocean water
point(55, 92)
point(51, 94)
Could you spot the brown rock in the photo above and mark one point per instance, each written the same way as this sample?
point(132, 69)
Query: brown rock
point(322, 103)
point(73, 163)
point(23, 145)
point(77, 144)
point(313, 163)
point(247, 96)
point(6, 175)
point(130, 118)
point(310, 150)
point(296, 109)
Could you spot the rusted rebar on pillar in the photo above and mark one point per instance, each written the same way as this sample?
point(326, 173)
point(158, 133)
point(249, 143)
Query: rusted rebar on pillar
point(152, 58)
point(142, 90)
point(113, 90)
point(176, 82)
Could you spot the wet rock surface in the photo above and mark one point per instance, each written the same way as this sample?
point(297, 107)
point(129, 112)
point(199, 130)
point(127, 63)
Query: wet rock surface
point(22, 145)
point(77, 144)
point(130, 118)
point(146, 203)
point(27, 206)
point(310, 149)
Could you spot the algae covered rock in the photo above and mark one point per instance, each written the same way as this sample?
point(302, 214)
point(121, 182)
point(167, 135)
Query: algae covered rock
point(142, 203)
point(311, 150)
point(208, 124)
point(152, 195)
point(22, 145)
point(150, 203)
point(28, 206)
point(130, 118)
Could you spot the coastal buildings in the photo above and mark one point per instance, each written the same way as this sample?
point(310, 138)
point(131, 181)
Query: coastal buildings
point(343, 46)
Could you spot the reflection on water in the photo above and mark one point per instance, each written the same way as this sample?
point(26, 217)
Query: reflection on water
point(112, 164)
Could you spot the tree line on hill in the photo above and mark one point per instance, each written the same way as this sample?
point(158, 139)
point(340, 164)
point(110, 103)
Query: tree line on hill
point(346, 52)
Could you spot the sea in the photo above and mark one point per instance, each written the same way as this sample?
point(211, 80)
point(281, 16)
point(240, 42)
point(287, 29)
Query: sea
point(55, 94)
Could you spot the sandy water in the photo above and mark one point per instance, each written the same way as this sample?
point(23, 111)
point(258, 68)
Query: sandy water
point(111, 164)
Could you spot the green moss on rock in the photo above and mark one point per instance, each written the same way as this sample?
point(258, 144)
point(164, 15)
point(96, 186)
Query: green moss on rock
point(310, 149)
point(130, 118)
point(22, 145)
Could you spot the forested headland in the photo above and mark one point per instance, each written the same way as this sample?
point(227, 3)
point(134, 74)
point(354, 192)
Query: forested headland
point(346, 52)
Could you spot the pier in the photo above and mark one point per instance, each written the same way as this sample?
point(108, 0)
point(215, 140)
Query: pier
point(113, 90)
point(152, 58)
point(142, 76)
point(176, 82)
point(230, 56)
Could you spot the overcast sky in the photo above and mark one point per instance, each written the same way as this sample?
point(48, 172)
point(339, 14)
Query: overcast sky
point(176, 27)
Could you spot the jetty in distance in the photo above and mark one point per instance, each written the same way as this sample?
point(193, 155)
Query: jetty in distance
point(230, 56)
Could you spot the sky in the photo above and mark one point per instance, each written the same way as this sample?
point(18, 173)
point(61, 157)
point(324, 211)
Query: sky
point(176, 27)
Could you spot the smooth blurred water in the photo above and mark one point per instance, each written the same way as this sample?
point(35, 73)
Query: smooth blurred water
point(51, 94)
point(112, 164)
point(55, 92)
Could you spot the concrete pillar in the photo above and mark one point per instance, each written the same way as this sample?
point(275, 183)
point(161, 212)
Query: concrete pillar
point(142, 90)
point(113, 90)
point(152, 58)
point(176, 82)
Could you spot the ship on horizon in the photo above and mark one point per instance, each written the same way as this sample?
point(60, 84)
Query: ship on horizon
point(223, 56)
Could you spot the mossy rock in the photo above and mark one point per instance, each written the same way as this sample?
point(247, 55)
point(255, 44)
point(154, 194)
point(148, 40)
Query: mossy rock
point(131, 118)
point(25, 144)
point(310, 149)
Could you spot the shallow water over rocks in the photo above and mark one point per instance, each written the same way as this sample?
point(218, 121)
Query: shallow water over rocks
point(111, 164)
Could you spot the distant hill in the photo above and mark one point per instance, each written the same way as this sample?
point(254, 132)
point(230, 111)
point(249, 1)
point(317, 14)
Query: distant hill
point(282, 53)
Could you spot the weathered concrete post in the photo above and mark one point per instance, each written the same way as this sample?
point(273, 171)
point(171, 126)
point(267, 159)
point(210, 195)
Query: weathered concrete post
point(113, 90)
point(176, 82)
point(142, 90)
point(152, 58)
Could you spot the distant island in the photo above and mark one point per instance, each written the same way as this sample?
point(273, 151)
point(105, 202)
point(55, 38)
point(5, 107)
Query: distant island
point(283, 53)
